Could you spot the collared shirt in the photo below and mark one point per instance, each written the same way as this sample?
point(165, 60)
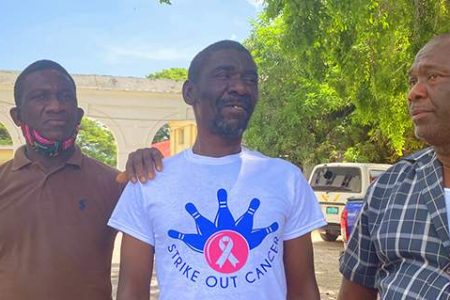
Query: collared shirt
point(54, 242)
point(401, 243)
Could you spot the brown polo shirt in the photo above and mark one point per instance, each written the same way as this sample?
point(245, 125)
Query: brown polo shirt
point(54, 241)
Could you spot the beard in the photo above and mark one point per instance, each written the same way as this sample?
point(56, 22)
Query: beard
point(231, 128)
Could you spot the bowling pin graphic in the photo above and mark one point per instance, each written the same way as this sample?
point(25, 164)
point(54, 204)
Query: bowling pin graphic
point(194, 241)
point(204, 226)
point(224, 218)
point(245, 223)
point(257, 236)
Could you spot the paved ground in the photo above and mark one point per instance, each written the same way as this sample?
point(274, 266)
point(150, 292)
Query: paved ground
point(326, 256)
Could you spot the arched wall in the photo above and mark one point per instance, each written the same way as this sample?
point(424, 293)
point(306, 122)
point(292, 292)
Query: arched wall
point(5, 119)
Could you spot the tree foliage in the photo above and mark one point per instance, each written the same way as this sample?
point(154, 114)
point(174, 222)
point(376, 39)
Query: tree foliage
point(333, 77)
point(162, 134)
point(178, 74)
point(5, 138)
point(96, 141)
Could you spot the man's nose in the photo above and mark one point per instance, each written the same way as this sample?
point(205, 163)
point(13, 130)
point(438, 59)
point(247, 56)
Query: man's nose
point(54, 103)
point(417, 91)
point(238, 85)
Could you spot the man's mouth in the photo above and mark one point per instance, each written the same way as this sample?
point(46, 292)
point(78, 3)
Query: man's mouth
point(238, 105)
point(419, 113)
point(56, 122)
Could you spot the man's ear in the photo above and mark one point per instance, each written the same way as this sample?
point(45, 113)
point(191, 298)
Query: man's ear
point(15, 115)
point(80, 113)
point(189, 94)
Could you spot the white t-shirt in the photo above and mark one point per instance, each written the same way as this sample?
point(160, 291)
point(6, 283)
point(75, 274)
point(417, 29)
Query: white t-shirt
point(447, 203)
point(218, 224)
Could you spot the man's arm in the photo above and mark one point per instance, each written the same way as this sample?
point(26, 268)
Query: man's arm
point(136, 267)
point(299, 266)
point(353, 291)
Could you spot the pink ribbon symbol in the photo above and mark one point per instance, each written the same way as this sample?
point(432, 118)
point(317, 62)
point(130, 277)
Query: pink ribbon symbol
point(226, 245)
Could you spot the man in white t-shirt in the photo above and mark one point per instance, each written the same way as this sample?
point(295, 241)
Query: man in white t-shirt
point(224, 222)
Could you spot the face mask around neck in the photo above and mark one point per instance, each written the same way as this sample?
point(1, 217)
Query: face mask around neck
point(44, 146)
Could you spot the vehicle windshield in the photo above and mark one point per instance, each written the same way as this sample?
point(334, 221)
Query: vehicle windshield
point(337, 179)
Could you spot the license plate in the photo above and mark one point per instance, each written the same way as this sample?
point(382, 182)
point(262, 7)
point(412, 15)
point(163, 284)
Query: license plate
point(331, 210)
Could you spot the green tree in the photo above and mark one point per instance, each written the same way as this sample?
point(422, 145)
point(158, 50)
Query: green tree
point(96, 141)
point(5, 138)
point(333, 76)
point(162, 134)
point(178, 74)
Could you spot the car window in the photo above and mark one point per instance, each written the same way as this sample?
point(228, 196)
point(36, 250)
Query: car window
point(345, 179)
point(373, 174)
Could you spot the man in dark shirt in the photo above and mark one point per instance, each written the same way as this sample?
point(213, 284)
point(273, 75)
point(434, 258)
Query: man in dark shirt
point(54, 201)
point(401, 244)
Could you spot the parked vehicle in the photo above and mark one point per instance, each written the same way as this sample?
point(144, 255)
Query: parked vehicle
point(348, 217)
point(334, 183)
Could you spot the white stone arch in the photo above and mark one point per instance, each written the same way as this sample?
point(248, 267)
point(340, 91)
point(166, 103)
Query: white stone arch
point(153, 131)
point(14, 132)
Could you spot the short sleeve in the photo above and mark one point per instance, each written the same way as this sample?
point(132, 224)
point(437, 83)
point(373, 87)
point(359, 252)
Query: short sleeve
point(359, 263)
point(304, 214)
point(129, 214)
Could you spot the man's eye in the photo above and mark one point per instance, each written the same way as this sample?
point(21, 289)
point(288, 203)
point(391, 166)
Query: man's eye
point(251, 79)
point(66, 97)
point(222, 75)
point(412, 81)
point(433, 76)
point(39, 97)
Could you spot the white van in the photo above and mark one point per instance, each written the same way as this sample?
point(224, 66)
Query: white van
point(334, 183)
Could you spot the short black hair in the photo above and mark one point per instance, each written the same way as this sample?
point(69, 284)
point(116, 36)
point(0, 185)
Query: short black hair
point(39, 65)
point(197, 63)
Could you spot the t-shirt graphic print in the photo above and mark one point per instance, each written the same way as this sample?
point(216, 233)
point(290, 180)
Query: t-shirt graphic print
point(226, 242)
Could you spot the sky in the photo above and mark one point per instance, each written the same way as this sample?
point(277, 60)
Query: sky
point(118, 37)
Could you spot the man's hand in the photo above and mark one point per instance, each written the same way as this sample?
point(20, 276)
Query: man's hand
point(141, 165)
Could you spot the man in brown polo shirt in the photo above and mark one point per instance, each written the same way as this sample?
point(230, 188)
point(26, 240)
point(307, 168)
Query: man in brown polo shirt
point(54, 201)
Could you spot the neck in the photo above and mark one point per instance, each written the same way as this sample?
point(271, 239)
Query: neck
point(48, 163)
point(443, 154)
point(215, 146)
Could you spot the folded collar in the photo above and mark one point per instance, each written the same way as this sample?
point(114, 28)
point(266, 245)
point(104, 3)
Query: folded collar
point(21, 160)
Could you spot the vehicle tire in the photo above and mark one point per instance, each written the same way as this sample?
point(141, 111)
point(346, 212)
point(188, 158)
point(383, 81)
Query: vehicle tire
point(328, 236)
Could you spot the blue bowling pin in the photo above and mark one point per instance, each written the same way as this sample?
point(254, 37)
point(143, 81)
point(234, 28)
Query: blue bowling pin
point(245, 223)
point(224, 219)
point(194, 241)
point(204, 226)
point(257, 236)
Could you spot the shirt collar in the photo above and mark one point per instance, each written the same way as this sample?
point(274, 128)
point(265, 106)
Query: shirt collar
point(77, 157)
point(21, 160)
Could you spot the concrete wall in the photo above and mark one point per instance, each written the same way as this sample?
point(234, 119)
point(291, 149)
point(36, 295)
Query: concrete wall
point(6, 153)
